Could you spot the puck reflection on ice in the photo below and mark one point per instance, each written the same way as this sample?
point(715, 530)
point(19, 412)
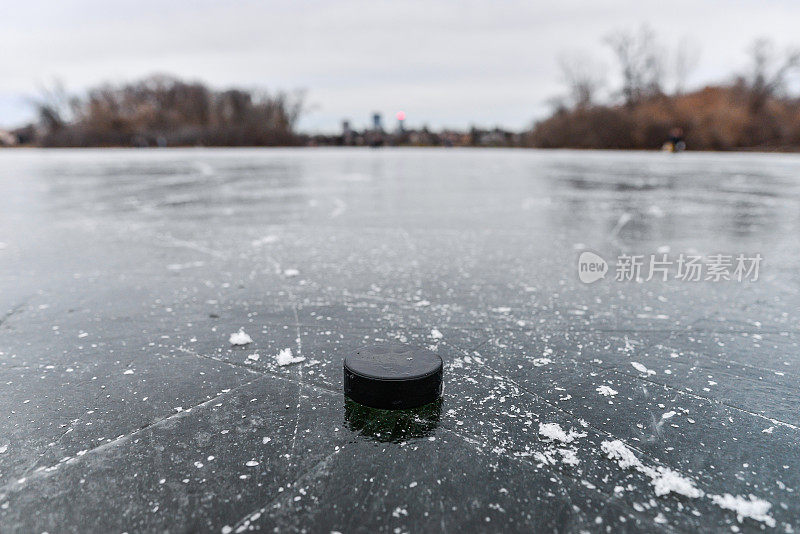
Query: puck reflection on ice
point(392, 425)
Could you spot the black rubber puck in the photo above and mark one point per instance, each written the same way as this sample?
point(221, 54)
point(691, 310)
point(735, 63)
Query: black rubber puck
point(393, 376)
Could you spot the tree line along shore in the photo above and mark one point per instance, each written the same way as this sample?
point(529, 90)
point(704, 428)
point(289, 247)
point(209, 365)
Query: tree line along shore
point(754, 109)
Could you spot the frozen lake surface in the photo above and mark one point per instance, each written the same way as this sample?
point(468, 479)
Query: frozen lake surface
point(131, 401)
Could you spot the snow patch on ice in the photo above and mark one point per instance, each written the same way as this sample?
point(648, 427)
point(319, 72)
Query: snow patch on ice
point(289, 273)
point(436, 334)
point(285, 357)
point(754, 508)
point(554, 432)
point(569, 456)
point(540, 362)
point(606, 391)
point(240, 338)
point(663, 479)
point(616, 450)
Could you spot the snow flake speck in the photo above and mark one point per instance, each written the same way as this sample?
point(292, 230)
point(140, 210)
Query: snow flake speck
point(606, 391)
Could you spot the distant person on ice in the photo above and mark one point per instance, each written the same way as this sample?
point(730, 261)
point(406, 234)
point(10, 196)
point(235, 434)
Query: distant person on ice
point(676, 142)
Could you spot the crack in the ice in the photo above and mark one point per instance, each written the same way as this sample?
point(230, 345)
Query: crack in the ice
point(12, 311)
point(414, 254)
point(191, 352)
point(600, 330)
point(700, 357)
point(607, 433)
point(559, 475)
point(300, 383)
point(46, 471)
point(170, 240)
point(31, 468)
point(377, 298)
point(707, 399)
point(245, 521)
point(556, 407)
point(262, 371)
point(476, 347)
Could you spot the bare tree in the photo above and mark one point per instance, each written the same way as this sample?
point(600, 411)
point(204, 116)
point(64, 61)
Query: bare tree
point(163, 110)
point(583, 76)
point(768, 72)
point(53, 105)
point(640, 59)
point(685, 59)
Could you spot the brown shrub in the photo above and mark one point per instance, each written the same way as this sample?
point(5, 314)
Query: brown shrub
point(162, 110)
point(713, 118)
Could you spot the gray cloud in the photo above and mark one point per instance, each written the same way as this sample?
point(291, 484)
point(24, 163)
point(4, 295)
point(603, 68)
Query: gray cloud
point(443, 62)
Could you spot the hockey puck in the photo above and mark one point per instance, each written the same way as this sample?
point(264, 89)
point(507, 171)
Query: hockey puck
point(392, 376)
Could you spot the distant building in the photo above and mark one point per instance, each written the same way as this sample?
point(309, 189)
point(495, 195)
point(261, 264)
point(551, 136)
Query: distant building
point(347, 133)
point(375, 137)
point(7, 138)
point(401, 119)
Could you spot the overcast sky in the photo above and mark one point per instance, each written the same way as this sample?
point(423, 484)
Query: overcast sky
point(444, 63)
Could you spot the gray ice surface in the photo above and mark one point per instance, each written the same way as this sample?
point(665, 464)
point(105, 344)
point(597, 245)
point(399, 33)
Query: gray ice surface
point(125, 408)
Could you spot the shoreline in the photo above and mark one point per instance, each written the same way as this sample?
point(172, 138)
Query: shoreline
point(742, 150)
